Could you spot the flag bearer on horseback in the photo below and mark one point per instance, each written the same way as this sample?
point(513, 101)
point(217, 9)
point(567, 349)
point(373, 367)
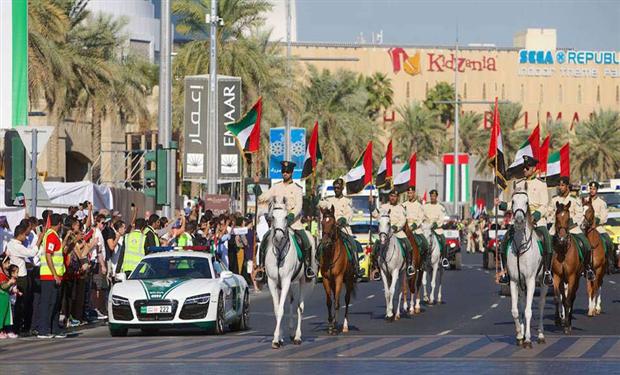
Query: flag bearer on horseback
point(576, 217)
point(343, 211)
point(398, 219)
point(415, 217)
point(434, 214)
point(293, 194)
point(600, 214)
point(538, 199)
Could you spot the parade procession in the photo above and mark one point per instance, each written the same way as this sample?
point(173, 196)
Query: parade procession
point(261, 186)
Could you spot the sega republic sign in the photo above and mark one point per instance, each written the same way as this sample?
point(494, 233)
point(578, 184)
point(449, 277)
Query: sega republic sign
point(569, 63)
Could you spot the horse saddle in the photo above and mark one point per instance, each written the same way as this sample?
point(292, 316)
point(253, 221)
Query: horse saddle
point(301, 242)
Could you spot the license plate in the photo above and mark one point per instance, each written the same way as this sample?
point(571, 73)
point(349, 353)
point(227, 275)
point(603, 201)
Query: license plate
point(156, 309)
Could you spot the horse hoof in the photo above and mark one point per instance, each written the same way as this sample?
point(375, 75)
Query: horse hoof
point(558, 322)
point(397, 317)
point(519, 342)
point(597, 311)
point(296, 341)
point(527, 345)
point(541, 340)
point(417, 311)
point(275, 345)
point(292, 337)
point(345, 329)
point(590, 314)
point(567, 330)
point(425, 299)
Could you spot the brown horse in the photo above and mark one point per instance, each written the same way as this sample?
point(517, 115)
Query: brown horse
point(598, 260)
point(336, 270)
point(412, 285)
point(566, 267)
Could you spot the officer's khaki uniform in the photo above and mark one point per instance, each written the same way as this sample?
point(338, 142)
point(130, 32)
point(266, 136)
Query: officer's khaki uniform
point(415, 214)
point(342, 209)
point(600, 212)
point(293, 194)
point(575, 210)
point(435, 214)
point(398, 217)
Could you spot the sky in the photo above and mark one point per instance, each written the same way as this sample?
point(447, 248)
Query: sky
point(580, 24)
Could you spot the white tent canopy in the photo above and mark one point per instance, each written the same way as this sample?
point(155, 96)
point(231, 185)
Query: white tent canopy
point(61, 194)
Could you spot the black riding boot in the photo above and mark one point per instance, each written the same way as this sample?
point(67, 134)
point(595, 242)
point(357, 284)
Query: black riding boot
point(547, 258)
point(262, 253)
point(310, 274)
point(587, 256)
point(409, 260)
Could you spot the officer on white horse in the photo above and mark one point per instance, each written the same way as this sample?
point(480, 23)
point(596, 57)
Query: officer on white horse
point(434, 213)
point(343, 212)
point(398, 218)
point(293, 195)
point(415, 218)
point(538, 198)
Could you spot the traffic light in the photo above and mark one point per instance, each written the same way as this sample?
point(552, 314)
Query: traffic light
point(14, 167)
point(155, 175)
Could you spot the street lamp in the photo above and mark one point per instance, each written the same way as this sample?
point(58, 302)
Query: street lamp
point(212, 129)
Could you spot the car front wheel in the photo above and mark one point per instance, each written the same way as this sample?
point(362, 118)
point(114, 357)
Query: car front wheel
point(219, 319)
point(244, 319)
point(118, 332)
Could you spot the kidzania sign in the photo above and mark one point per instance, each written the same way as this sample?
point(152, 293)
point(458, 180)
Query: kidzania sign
point(437, 62)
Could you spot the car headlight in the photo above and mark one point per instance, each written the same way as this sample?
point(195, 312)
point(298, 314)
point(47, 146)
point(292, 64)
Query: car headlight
point(452, 245)
point(201, 299)
point(119, 301)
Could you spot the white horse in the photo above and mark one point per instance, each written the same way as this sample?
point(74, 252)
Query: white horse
point(435, 267)
point(524, 265)
point(285, 273)
point(391, 263)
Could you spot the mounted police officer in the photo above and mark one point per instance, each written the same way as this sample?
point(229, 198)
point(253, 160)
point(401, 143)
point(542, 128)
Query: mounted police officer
point(293, 195)
point(414, 212)
point(600, 215)
point(434, 214)
point(538, 199)
point(343, 212)
point(398, 219)
point(576, 216)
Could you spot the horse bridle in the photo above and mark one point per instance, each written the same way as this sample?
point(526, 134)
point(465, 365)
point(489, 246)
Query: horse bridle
point(332, 241)
point(518, 250)
point(280, 246)
point(388, 238)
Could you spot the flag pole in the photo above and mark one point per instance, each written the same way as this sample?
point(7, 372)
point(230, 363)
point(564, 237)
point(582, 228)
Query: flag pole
point(256, 173)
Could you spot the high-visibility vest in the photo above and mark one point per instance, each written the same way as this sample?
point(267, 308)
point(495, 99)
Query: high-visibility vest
point(185, 239)
point(134, 250)
point(57, 258)
point(149, 229)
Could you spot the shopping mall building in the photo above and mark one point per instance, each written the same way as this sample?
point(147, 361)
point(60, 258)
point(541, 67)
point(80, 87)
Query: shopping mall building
point(549, 82)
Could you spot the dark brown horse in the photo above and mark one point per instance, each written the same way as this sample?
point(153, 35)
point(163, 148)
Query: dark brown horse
point(412, 285)
point(566, 267)
point(336, 270)
point(598, 260)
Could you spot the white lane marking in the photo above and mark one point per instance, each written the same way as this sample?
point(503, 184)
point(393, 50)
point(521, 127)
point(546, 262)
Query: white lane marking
point(612, 282)
point(476, 317)
point(487, 272)
point(502, 296)
point(245, 333)
point(309, 317)
point(494, 305)
point(370, 296)
point(444, 332)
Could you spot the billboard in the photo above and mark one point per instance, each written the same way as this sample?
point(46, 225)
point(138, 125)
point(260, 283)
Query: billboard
point(196, 119)
point(277, 145)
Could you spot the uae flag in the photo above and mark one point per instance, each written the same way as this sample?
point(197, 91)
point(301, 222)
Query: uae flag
point(13, 63)
point(529, 148)
point(361, 174)
point(496, 151)
point(247, 129)
point(313, 153)
point(406, 176)
point(543, 156)
point(558, 165)
point(384, 174)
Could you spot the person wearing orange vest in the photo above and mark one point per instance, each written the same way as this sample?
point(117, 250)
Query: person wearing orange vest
point(52, 271)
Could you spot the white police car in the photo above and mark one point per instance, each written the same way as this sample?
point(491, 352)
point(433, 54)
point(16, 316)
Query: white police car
point(179, 289)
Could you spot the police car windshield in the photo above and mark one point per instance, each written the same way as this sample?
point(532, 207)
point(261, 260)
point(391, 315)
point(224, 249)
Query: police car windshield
point(172, 267)
point(611, 198)
point(364, 228)
point(360, 205)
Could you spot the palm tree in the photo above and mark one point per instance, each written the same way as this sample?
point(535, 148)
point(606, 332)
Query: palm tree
point(419, 131)
point(338, 102)
point(472, 137)
point(380, 94)
point(443, 91)
point(596, 150)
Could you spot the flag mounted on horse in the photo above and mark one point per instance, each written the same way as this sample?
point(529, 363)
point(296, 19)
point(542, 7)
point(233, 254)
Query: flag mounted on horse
point(407, 175)
point(384, 174)
point(360, 175)
point(543, 156)
point(529, 148)
point(247, 129)
point(496, 150)
point(313, 153)
point(558, 166)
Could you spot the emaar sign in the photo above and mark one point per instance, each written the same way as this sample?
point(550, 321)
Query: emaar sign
point(568, 57)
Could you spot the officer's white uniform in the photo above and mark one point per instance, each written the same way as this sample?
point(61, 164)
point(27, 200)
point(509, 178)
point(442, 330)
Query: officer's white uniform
point(293, 195)
point(342, 209)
